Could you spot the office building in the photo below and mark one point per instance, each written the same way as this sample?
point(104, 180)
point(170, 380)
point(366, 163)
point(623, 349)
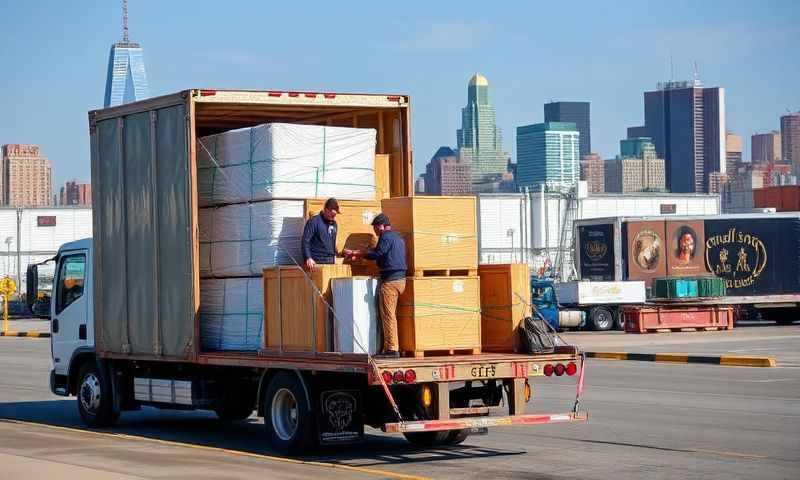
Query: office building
point(27, 176)
point(548, 155)
point(631, 174)
point(593, 172)
point(480, 141)
point(574, 112)
point(733, 154)
point(446, 174)
point(765, 148)
point(126, 79)
point(790, 140)
point(75, 193)
point(687, 125)
point(419, 185)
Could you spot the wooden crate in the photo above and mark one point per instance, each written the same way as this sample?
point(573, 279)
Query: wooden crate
point(296, 317)
point(439, 315)
point(440, 232)
point(383, 185)
point(355, 228)
point(505, 301)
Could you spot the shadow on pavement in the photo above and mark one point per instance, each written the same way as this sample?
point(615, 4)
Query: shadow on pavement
point(203, 428)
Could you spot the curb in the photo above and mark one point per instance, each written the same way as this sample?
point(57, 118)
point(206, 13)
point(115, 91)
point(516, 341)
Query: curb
point(726, 360)
point(26, 334)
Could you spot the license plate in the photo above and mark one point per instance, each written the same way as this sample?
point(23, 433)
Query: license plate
point(483, 371)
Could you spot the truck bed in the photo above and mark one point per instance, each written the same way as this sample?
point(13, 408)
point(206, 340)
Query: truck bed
point(789, 299)
point(428, 369)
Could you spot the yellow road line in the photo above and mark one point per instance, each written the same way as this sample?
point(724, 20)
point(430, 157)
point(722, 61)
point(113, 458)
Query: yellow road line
point(727, 454)
point(748, 361)
point(125, 436)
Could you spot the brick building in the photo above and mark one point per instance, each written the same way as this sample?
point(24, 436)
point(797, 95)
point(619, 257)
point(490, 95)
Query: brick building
point(75, 193)
point(26, 177)
point(593, 172)
point(447, 174)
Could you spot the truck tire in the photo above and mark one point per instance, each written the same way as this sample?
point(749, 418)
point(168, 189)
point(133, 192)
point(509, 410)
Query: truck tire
point(427, 439)
point(96, 397)
point(601, 318)
point(457, 437)
point(289, 426)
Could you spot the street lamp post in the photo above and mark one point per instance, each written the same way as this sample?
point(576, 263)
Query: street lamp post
point(8, 254)
point(510, 234)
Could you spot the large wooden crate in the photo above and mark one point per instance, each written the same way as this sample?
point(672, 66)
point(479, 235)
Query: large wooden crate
point(505, 301)
point(440, 232)
point(355, 228)
point(383, 186)
point(440, 315)
point(295, 315)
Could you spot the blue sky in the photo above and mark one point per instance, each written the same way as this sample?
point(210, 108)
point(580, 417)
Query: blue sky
point(53, 58)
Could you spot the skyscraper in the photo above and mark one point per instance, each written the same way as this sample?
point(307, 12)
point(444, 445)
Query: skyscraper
point(548, 154)
point(480, 141)
point(28, 177)
point(126, 80)
point(765, 148)
point(733, 154)
point(637, 169)
point(575, 112)
point(790, 140)
point(75, 193)
point(593, 172)
point(446, 174)
point(687, 125)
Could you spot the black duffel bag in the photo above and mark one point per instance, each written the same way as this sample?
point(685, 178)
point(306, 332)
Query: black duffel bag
point(535, 336)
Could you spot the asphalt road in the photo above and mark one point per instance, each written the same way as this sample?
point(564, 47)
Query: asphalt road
point(646, 420)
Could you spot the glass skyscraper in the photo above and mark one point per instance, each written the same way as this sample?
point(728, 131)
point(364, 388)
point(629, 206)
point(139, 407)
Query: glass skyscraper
point(127, 79)
point(548, 154)
point(480, 141)
point(575, 112)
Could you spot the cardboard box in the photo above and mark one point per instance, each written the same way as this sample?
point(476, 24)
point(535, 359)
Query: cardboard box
point(439, 314)
point(505, 301)
point(297, 319)
point(440, 232)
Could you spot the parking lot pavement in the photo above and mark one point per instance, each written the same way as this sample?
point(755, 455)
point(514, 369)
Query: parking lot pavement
point(28, 325)
point(755, 339)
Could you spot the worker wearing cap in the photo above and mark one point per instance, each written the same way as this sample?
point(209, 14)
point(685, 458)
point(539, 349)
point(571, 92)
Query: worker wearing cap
point(319, 236)
point(390, 255)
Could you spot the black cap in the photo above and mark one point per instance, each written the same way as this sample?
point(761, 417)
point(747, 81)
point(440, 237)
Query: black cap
point(332, 204)
point(380, 219)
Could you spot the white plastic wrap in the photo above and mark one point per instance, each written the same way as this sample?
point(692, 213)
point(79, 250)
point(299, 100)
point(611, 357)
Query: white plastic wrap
point(231, 314)
point(356, 322)
point(240, 240)
point(280, 160)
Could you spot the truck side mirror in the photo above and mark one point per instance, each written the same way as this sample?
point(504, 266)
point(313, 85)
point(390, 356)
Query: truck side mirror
point(32, 286)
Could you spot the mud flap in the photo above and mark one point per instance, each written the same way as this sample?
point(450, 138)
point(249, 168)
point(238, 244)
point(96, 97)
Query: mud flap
point(341, 417)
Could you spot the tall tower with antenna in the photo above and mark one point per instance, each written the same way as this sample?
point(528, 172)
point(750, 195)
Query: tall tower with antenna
point(126, 79)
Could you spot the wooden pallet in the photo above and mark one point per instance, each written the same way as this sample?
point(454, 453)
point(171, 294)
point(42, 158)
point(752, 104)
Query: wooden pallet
point(685, 329)
point(441, 353)
point(446, 272)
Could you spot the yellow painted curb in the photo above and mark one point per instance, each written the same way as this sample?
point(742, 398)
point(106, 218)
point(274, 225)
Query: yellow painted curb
point(370, 471)
point(25, 334)
point(748, 361)
point(611, 355)
point(672, 357)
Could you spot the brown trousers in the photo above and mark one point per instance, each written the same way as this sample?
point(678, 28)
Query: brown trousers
point(389, 293)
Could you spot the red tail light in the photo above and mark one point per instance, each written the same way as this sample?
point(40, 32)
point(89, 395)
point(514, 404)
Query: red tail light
point(411, 376)
point(548, 370)
point(387, 376)
point(398, 377)
point(560, 369)
point(572, 369)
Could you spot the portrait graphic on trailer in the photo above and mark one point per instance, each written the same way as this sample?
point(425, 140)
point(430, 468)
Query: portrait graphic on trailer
point(647, 249)
point(685, 242)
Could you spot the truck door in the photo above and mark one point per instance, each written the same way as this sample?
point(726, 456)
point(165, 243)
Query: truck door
point(70, 309)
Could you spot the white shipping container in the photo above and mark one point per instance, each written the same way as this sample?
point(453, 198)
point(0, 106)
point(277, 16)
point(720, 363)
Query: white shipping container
point(231, 314)
point(504, 228)
point(597, 293)
point(356, 321)
point(290, 161)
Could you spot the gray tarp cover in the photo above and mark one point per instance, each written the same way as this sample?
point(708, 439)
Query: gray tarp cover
point(142, 234)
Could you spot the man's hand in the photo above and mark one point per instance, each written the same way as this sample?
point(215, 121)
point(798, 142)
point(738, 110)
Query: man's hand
point(310, 263)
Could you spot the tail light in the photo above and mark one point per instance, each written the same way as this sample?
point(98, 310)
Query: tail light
point(398, 377)
point(528, 391)
point(410, 376)
point(387, 377)
point(572, 369)
point(548, 370)
point(560, 369)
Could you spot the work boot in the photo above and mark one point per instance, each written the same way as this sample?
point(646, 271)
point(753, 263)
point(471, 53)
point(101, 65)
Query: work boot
point(388, 354)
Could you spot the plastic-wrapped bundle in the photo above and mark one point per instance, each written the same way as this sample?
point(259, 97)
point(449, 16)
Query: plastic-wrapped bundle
point(280, 160)
point(231, 314)
point(356, 322)
point(240, 240)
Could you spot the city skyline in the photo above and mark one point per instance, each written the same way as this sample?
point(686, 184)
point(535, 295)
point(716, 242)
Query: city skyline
point(732, 44)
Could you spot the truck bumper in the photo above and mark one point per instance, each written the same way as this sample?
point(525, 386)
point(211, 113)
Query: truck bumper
point(484, 422)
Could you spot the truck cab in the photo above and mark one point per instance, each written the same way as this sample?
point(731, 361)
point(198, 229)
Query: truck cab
point(71, 312)
point(545, 301)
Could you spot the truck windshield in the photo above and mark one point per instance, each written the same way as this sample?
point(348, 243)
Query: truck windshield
point(542, 294)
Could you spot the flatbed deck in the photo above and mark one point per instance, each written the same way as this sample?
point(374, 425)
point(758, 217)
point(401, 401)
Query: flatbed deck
point(728, 300)
point(428, 369)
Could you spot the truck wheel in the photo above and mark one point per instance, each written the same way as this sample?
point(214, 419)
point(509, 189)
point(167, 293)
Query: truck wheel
point(600, 318)
point(457, 437)
point(96, 397)
point(289, 425)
